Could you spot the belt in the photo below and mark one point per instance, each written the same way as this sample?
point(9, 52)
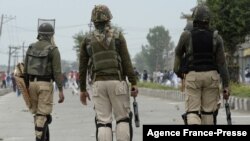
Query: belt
point(40, 79)
point(107, 77)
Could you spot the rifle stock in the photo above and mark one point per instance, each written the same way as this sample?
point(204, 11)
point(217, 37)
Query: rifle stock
point(136, 113)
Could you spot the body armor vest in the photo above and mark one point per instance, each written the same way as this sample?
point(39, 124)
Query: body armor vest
point(38, 63)
point(202, 57)
point(104, 58)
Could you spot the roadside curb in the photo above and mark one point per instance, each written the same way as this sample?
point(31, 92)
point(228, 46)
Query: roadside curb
point(4, 91)
point(236, 103)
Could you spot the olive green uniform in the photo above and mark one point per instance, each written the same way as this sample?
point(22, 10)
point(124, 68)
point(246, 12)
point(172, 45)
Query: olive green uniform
point(41, 87)
point(201, 87)
point(110, 90)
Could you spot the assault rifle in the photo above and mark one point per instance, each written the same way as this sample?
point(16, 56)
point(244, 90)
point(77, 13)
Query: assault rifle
point(136, 113)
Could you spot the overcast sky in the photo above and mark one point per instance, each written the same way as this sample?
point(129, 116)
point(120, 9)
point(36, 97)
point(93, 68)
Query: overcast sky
point(73, 16)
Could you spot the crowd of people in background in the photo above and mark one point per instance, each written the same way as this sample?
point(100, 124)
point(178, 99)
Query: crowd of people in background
point(166, 77)
point(7, 80)
point(70, 81)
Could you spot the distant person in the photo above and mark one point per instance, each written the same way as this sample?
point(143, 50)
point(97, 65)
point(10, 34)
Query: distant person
point(3, 79)
point(8, 80)
point(13, 81)
point(137, 74)
point(247, 74)
point(145, 76)
point(65, 80)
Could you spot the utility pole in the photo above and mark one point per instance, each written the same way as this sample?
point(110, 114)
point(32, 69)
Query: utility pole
point(1, 25)
point(23, 51)
point(10, 54)
point(90, 27)
point(13, 50)
point(16, 58)
point(4, 19)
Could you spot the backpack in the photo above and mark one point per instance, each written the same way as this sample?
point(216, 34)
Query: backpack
point(38, 60)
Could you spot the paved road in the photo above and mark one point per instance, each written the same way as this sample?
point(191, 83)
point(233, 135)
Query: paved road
point(75, 122)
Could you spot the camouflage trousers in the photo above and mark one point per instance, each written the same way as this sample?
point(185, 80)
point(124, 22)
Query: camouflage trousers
point(202, 96)
point(112, 96)
point(41, 94)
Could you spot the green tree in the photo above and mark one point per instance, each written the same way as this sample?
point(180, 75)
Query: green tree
point(159, 42)
point(78, 38)
point(140, 63)
point(232, 19)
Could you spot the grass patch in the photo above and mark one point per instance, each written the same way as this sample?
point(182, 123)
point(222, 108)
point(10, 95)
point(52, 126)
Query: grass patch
point(241, 90)
point(155, 86)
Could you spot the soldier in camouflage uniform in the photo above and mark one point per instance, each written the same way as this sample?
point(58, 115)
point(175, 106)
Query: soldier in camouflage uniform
point(204, 65)
point(105, 52)
point(42, 67)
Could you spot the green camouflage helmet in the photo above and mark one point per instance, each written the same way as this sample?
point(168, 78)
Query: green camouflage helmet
point(201, 13)
point(46, 28)
point(101, 13)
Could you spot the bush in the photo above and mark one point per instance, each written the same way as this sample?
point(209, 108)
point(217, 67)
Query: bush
point(241, 90)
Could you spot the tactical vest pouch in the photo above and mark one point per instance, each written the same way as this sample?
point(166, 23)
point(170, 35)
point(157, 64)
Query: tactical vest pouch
point(38, 61)
point(110, 61)
point(104, 59)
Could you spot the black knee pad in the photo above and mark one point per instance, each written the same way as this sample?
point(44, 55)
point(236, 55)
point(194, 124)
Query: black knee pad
point(190, 112)
point(193, 112)
point(45, 128)
point(215, 113)
point(129, 121)
point(184, 117)
point(49, 119)
point(98, 125)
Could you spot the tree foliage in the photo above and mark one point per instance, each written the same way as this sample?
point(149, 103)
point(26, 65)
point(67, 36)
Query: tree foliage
point(159, 46)
point(232, 19)
point(78, 38)
point(142, 65)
